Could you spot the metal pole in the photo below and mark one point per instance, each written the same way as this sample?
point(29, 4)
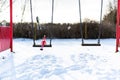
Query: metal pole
point(11, 27)
point(52, 11)
point(52, 21)
point(80, 21)
point(100, 27)
point(32, 22)
point(118, 26)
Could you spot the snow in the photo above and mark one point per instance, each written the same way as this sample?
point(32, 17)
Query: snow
point(65, 60)
point(7, 68)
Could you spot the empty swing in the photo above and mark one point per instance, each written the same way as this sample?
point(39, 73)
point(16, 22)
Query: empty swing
point(81, 28)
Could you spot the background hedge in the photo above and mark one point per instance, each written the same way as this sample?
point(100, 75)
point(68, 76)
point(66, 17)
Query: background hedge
point(90, 30)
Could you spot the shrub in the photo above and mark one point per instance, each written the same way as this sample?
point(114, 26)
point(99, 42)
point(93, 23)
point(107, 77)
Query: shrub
point(91, 31)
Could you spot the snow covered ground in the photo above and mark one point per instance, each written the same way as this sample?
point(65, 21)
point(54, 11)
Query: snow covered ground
point(65, 60)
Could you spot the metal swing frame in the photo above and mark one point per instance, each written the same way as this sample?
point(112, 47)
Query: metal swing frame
point(118, 26)
point(34, 43)
point(98, 42)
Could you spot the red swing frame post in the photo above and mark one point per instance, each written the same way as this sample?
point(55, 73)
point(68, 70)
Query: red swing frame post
point(11, 26)
point(118, 27)
point(6, 33)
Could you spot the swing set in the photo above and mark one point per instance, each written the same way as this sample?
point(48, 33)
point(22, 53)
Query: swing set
point(81, 27)
point(6, 34)
point(83, 43)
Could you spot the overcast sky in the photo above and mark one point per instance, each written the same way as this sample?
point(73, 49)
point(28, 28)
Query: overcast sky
point(65, 11)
